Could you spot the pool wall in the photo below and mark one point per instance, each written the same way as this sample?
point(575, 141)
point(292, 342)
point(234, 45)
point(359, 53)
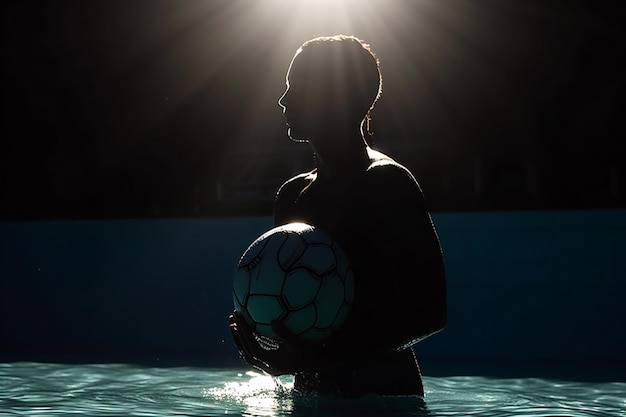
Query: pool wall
point(521, 285)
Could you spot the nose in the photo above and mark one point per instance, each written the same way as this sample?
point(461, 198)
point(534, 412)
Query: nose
point(282, 101)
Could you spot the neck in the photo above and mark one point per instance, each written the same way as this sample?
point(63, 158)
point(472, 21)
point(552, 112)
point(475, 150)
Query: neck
point(340, 157)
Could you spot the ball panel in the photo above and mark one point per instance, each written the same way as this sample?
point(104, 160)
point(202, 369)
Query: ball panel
point(267, 243)
point(318, 236)
point(251, 255)
point(295, 227)
point(241, 285)
point(292, 248)
point(266, 275)
point(342, 315)
point(301, 288)
point(246, 316)
point(264, 308)
point(239, 306)
point(329, 300)
point(298, 275)
point(265, 330)
point(301, 320)
point(318, 257)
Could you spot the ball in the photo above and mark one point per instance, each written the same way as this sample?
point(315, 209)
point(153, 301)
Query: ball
point(298, 275)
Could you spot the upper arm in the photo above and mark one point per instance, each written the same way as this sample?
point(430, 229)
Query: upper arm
point(408, 242)
point(394, 191)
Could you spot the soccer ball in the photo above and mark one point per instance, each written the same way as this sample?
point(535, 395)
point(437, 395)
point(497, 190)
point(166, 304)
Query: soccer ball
point(298, 275)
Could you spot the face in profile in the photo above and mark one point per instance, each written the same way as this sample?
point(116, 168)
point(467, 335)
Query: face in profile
point(307, 100)
point(331, 85)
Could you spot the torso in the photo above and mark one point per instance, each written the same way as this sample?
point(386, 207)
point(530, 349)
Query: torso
point(379, 219)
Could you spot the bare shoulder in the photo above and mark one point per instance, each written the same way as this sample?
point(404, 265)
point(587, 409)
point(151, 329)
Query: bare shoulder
point(293, 186)
point(288, 194)
point(386, 168)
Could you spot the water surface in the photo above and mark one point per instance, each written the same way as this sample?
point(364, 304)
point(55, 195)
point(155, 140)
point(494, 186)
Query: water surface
point(42, 389)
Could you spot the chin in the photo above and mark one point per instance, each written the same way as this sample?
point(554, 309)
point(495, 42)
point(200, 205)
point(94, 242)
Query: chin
point(294, 136)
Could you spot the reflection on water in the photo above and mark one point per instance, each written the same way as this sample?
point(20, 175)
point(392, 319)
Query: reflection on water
point(35, 389)
point(257, 395)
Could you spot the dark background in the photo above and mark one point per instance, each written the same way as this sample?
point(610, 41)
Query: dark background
point(135, 109)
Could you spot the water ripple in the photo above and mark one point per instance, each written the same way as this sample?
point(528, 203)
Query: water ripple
point(37, 389)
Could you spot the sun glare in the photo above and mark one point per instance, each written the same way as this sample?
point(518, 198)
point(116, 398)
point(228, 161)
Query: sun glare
point(277, 28)
point(233, 56)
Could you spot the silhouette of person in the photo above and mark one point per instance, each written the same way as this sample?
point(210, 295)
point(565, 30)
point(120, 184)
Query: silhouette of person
point(374, 208)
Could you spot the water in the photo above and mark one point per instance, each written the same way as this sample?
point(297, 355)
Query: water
point(42, 389)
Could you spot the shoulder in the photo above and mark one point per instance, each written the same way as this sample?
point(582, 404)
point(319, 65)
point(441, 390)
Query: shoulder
point(392, 184)
point(294, 186)
point(385, 169)
point(288, 194)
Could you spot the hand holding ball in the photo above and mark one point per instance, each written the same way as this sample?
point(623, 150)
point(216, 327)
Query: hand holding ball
point(298, 275)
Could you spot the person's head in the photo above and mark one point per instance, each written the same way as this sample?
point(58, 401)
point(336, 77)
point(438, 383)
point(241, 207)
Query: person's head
point(332, 84)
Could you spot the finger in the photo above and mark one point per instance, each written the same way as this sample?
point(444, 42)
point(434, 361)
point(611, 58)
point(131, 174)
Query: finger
point(235, 333)
point(249, 348)
point(250, 353)
point(240, 336)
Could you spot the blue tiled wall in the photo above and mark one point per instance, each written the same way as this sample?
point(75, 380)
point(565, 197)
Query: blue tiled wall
point(536, 285)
